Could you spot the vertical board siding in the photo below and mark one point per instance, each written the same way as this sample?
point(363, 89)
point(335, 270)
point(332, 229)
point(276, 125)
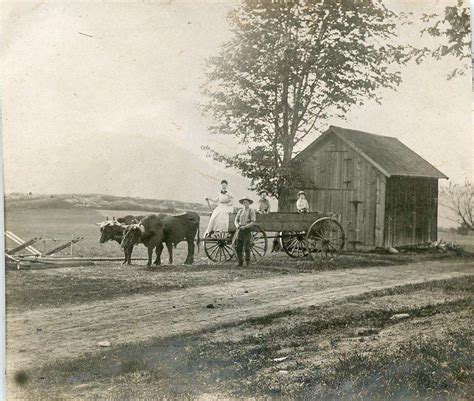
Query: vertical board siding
point(335, 176)
point(380, 209)
point(411, 213)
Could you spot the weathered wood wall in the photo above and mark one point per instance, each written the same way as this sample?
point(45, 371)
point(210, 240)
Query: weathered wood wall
point(411, 214)
point(340, 180)
point(281, 221)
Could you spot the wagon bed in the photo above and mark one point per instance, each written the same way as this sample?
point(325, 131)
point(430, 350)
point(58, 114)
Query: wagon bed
point(300, 235)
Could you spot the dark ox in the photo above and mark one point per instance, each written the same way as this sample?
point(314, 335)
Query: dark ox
point(154, 230)
point(112, 230)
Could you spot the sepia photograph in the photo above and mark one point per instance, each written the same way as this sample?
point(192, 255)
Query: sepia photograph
point(238, 199)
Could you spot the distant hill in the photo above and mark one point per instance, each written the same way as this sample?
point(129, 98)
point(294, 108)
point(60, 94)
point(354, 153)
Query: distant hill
point(126, 165)
point(98, 201)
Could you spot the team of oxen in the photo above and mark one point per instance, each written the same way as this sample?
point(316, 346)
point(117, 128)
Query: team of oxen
point(153, 231)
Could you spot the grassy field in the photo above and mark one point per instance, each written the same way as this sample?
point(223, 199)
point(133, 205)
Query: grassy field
point(67, 223)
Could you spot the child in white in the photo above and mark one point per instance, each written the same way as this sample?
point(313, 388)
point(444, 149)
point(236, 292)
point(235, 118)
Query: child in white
point(302, 204)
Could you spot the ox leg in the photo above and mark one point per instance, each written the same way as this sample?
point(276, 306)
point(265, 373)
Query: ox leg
point(159, 249)
point(169, 246)
point(190, 258)
point(150, 256)
point(130, 252)
point(127, 252)
point(125, 256)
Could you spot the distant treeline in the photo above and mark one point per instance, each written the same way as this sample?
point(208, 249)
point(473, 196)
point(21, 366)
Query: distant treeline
point(97, 201)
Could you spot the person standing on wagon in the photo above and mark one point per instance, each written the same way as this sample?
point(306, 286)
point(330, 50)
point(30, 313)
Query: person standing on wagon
point(244, 221)
point(220, 216)
point(302, 204)
point(263, 203)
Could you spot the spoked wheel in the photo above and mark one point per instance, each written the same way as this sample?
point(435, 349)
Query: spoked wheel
point(258, 244)
point(294, 243)
point(218, 246)
point(325, 236)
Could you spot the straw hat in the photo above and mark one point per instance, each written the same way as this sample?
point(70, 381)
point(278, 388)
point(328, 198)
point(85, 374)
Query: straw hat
point(301, 192)
point(263, 191)
point(241, 201)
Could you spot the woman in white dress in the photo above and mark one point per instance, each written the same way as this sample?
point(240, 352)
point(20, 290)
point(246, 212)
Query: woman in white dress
point(220, 216)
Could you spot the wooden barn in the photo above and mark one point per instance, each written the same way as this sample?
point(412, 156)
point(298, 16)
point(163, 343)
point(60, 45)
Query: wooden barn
point(385, 195)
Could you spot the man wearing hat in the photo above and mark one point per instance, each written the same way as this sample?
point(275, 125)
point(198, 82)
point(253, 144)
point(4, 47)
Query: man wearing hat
point(263, 203)
point(302, 204)
point(244, 221)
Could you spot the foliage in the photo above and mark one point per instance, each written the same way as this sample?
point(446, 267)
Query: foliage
point(455, 28)
point(287, 70)
point(459, 199)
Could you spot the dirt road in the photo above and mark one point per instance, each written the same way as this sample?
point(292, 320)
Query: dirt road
point(44, 335)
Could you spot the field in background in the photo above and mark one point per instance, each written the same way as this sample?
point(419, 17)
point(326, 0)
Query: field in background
point(98, 201)
point(66, 223)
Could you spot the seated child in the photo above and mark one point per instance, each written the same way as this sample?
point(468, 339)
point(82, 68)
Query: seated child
point(302, 204)
point(263, 203)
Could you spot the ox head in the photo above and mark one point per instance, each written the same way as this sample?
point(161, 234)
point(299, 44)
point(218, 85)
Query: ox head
point(132, 235)
point(111, 230)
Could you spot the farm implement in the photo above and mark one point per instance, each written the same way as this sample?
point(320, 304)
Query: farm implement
point(12, 256)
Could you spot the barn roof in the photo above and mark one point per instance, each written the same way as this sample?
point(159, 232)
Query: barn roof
point(390, 156)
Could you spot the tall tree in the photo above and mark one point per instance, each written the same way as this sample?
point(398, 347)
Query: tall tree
point(288, 69)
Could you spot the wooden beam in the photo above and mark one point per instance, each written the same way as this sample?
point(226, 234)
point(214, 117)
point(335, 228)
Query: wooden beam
point(63, 246)
point(15, 238)
point(22, 246)
point(326, 189)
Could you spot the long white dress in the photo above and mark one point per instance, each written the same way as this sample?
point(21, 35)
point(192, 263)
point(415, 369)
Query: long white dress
point(220, 216)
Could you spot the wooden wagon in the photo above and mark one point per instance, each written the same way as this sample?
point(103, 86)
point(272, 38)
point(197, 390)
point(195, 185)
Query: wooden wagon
point(301, 235)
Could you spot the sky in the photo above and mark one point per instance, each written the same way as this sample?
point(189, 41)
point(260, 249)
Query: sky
point(102, 97)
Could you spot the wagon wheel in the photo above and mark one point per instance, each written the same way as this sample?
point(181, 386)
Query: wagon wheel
point(294, 243)
point(218, 246)
point(325, 236)
point(258, 243)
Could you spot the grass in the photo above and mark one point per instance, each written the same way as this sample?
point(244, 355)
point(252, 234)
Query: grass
point(187, 366)
point(418, 370)
point(25, 290)
point(461, 286)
